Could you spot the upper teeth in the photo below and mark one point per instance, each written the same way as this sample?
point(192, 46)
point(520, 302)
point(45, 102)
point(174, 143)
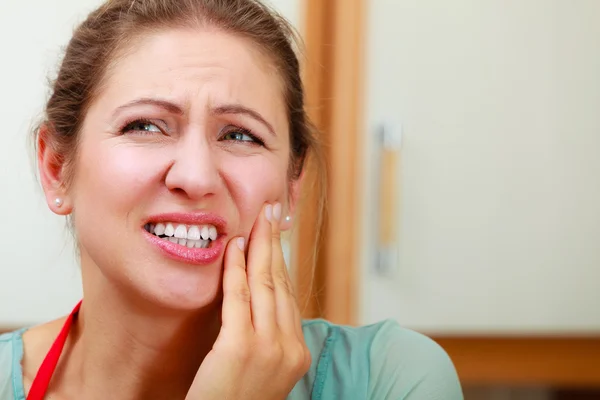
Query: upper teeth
point(180, 231)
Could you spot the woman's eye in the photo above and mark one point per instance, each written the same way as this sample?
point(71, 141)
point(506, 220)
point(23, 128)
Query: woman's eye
point(239, 136)
point(141, 126)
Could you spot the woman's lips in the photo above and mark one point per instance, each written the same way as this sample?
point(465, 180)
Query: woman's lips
point(186, 254)
point(178, 250)
point(190, 219)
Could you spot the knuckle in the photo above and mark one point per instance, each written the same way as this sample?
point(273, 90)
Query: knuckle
point(295, 357)
point(241, 293)
point(267, 280)
point(283, 281)
point(230, 349)
point(272, 354)
point(277, 352)
point(298, 358)
point(243, 347)
point(238, 267)
point(307, 360)
point(244, 295)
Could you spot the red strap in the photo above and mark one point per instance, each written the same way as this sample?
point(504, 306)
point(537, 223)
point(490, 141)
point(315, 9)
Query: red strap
point(44, 374)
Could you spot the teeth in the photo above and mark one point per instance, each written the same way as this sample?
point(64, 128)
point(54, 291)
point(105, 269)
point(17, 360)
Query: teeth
point(189, 243)
point(159, 229)
point(212, 233)
point(181, 232)
point(205, 233)
point(193, 233)
point(169, 230)
point(200, 235)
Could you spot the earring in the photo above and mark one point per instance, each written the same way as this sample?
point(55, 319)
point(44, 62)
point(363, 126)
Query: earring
point(288, 218)
point(58, 202)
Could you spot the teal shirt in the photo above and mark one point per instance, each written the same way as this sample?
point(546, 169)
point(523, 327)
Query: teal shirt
point(381, 361)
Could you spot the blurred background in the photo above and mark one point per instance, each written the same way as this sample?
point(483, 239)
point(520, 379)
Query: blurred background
point(462, 139)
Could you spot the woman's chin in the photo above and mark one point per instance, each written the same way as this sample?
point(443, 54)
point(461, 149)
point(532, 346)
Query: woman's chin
point(185, 292)
point(175, 301)
point(188, 297)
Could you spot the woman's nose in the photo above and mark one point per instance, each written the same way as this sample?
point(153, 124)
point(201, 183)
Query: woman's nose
point(193, 172)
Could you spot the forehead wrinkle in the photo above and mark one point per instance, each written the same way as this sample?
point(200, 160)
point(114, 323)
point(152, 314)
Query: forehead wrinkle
point(203, 72)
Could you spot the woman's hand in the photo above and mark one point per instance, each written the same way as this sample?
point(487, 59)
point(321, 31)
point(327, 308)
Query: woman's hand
point(260, 352)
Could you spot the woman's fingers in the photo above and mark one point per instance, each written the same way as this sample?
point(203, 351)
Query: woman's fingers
point(297, 317)
point(260, 277)
point(236, 292)
point(284, 294)
point(272, 301)
point(261, 334)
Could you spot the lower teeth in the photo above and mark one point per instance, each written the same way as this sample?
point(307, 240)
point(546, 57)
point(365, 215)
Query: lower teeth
point(190, 244)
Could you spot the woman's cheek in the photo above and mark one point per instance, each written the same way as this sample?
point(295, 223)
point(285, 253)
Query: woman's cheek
point(112, 169)
point(252, 183)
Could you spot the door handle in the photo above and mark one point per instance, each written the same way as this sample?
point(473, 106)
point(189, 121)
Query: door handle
point(389, 140)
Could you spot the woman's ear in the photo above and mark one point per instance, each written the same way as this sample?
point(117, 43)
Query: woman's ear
point(51, 168)
point(287, 219)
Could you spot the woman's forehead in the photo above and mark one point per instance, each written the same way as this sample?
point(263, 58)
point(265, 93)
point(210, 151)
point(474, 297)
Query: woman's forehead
point(196, 67)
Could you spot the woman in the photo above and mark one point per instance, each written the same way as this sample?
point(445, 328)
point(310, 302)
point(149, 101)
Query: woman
point(175, 139)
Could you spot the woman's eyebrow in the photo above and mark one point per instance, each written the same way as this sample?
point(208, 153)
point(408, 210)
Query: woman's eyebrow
point(240, 109)
point(164, 104)
point(219, 110)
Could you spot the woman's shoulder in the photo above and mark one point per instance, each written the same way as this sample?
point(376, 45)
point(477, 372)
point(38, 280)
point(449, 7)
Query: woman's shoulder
point(377, 339)
point(377, 361)
point(11, 353)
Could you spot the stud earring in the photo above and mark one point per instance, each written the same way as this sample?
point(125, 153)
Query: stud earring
point(288, 218)
point(58, 201)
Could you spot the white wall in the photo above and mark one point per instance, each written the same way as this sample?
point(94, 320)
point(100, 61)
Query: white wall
point(39, 276)
point(500, 210)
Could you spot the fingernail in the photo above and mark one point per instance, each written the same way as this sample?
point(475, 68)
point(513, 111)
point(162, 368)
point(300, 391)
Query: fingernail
point(277, 211)
point(269, 212)
point(240, 242)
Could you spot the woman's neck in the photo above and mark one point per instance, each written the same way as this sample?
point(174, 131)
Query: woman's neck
point(123, 349)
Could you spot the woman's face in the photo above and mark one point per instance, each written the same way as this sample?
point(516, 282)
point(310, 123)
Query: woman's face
point(188, 134)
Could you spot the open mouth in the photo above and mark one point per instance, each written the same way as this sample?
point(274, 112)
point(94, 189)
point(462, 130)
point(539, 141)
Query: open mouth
point(190, 236)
